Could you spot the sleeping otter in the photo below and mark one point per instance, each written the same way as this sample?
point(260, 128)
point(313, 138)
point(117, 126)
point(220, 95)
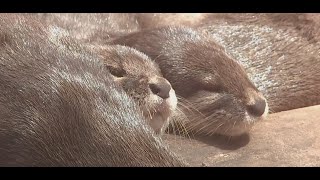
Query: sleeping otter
point(280, 52)
point(61, 107)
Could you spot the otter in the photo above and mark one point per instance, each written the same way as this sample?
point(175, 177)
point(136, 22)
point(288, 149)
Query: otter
point(134, 71)
point(280, 53)
point(141, 78)
point(61, 107)
point(220, 97)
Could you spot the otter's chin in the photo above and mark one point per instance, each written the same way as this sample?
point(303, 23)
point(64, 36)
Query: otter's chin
point(159, 122)
point(160, 117)
point(241, 127)
point(226, 127)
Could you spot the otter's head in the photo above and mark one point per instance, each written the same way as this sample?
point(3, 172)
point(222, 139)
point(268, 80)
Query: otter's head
point(216, 93)
point(142, 80)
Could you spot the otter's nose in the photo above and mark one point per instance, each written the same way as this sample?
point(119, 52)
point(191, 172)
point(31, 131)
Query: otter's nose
point(258, 108)
point(161, 88)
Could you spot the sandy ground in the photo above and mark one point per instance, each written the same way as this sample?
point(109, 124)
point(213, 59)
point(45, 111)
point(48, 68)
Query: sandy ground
point(289, 138)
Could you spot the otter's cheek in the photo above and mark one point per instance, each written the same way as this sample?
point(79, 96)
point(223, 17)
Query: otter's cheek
point(172, 101)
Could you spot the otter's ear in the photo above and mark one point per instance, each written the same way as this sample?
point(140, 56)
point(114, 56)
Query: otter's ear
point(116, 71)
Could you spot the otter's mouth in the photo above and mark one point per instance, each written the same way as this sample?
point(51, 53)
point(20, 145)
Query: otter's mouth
point(229, 118)
point(223, 124)
point(159, 116)
point(159, 112)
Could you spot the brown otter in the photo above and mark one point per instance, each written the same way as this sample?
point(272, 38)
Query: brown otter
point(142, 80)
point(279, 51)
point(138, 75)
point(61, 107)
point(221, 98)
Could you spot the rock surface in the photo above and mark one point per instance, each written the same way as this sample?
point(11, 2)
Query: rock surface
point(289, 138)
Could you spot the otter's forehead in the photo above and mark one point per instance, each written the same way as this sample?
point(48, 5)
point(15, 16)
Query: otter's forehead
point(134, 62)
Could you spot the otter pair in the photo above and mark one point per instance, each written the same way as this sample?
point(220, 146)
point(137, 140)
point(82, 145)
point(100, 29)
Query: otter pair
point(215, 94)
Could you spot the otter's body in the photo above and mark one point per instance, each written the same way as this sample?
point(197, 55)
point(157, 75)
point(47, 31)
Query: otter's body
point(60, 106)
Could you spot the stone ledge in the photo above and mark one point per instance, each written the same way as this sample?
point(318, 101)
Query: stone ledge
point(289, 138)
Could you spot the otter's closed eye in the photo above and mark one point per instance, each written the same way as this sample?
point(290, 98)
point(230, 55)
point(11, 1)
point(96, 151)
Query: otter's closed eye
point(118, 72)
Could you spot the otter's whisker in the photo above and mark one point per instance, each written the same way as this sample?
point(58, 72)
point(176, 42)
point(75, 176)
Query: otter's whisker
point(190, 109)
point(213, 132)
point(183, 101)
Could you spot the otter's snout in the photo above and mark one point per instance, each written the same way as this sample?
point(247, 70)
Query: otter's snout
point(160, 87)
point(258, 108)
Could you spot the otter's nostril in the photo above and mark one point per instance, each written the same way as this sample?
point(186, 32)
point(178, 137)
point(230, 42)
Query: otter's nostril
point(161, 89)
point(258, 108)
point(154, 88)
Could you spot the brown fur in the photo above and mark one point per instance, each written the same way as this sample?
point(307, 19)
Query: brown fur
point(60, 107)
point(85, 26)
point(136, 69)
